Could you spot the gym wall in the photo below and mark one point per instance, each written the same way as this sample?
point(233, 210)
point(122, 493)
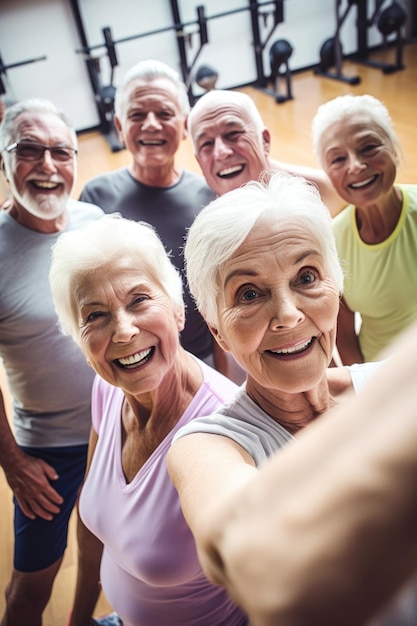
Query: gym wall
point(47, 28)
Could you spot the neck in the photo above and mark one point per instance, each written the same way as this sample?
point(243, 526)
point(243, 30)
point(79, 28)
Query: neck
point(376, 222)
point(161, 408)
point(160, 176)
point(295, 410)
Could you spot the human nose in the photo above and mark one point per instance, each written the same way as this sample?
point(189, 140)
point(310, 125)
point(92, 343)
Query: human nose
point(285, 311)
point(355, 163)
point(125, 328)
point(151, 121)
point(47, 162)
point(221, 149)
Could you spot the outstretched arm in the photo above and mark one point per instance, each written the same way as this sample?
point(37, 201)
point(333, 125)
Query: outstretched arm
point(329, 195)
point(305, 535)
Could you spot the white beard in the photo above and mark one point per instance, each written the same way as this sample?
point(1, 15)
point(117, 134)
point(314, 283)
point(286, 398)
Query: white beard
point(43, 206)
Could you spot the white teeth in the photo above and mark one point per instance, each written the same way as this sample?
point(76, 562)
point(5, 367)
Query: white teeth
point(298, 348)
point(135, 358)
point(45, 184)
point(152, 143)
point(363, 183)
point(231, 170)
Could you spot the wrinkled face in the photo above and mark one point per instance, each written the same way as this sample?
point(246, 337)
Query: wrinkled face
point(359, 159)
point(278, 306)
point(152, 124)
point(41, 187)
point(228, 147)
point(129, 327)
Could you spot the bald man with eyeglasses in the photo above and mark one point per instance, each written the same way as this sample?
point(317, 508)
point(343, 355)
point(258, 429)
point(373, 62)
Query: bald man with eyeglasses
point(44, 455)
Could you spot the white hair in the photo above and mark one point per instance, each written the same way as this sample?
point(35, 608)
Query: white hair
point(345, 106)
point(149, 70)
point(222, 226)
point(31, 105)
point(83, 252)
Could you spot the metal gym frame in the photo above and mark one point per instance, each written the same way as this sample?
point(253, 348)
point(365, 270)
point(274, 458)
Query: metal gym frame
point(104, 93)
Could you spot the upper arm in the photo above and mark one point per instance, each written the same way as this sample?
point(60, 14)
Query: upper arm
point(206, 470)
point(318, 177)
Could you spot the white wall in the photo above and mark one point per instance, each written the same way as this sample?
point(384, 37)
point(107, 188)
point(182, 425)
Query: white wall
point(46, 27)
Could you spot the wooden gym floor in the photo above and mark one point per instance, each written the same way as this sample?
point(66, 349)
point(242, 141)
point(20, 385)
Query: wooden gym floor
point(289, 124)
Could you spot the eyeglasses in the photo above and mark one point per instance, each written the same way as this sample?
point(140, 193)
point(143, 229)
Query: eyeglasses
point(32, 151)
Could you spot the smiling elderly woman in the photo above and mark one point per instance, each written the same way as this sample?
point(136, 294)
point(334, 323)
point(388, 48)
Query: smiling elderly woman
point(118, 295)
point(262, 265)
point(376, 234)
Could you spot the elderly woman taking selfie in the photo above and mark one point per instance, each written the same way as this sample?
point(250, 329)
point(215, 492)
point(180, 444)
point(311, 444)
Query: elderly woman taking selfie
point(263, 268)
point(118, 295)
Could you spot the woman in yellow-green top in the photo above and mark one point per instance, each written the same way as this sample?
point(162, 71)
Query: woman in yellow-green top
point(376, 234)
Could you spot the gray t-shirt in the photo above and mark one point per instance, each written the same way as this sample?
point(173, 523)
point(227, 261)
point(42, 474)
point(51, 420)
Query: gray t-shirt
point(47, 374)
point(248, 425)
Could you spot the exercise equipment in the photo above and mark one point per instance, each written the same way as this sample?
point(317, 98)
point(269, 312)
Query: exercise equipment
point(279, 52)
point(104, 92)
point(206, 77)
point(331, 52)
point(388, 21)
point(279, 55)
point(4, 69)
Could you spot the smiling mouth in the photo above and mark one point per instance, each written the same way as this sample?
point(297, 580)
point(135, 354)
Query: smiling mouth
point(45, 185)
point(364, 183)
point(136, 360)
point(230, 172)
point(298, 349)
point(152, 142)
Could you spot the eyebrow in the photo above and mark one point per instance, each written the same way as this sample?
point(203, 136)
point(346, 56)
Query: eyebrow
point(226, 126)
point(334, 148)
point(252, 273)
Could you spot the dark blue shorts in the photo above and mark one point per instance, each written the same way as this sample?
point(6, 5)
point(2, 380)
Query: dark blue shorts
point(40, 543)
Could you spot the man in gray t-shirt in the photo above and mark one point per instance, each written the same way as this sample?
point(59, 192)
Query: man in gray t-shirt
point(44, 456)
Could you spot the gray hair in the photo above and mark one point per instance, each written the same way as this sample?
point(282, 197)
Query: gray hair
point(222, 226)
point(31, 105)
point(83, 252)
point(149, 70)
point(343, 107)
point(218, 97)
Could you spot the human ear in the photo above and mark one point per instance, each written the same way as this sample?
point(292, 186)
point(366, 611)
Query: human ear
point(119, 129)
point(180, 317)
point(266, 141)
point(222, 343)
point(3, 169)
